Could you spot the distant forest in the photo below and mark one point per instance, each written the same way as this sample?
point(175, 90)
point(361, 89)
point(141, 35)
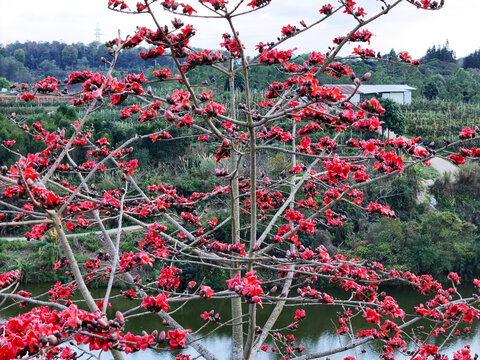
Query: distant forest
point(440, 75)
point(30, 61)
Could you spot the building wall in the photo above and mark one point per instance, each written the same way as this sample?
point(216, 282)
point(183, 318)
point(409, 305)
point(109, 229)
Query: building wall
point(407, 97)
point(397, 97)
point(401, 98)
point(355, 99)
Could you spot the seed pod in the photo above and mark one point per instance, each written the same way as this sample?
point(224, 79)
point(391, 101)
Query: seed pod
point(52, 340)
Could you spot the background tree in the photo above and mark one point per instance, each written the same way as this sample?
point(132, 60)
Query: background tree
point(393, 118)
point(4, 83)
point(442, 53)
point(430, 90)
point(472, 60)
point(69, 55)
point(49, 68)
point(461, 86)
point(19, 55)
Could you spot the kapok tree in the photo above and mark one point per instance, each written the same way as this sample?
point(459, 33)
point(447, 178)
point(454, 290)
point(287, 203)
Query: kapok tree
point(269, 217)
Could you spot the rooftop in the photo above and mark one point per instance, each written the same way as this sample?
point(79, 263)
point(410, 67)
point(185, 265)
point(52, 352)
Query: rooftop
point(372, 89)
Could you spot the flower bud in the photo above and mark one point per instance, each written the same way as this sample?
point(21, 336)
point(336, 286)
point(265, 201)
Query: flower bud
point(120, 317)
point(366, 76)
point(161, 337)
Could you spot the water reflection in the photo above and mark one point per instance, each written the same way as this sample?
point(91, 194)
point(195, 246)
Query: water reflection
point(317, 333)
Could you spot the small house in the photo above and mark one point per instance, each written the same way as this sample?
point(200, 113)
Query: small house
point(402, 94)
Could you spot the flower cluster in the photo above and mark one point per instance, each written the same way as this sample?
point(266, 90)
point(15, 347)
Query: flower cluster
point(9, 278)
point(249, 287)
point(156, 303)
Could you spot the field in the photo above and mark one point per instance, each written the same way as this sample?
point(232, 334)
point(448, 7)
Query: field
point(433, 120)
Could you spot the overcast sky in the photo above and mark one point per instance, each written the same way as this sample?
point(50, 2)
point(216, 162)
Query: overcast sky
point(406, 28)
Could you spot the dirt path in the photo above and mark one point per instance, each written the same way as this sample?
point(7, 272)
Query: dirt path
point(441, 165)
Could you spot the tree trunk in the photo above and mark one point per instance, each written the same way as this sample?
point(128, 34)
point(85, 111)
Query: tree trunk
point(236, 303)
point(67, 251)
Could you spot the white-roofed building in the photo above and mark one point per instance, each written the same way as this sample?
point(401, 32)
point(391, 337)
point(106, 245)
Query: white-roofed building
point(401, 94)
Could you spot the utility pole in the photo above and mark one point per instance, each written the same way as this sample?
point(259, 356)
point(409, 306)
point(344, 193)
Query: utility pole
point(97, 33)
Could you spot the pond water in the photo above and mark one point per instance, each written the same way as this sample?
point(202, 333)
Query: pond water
point(316, 333)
